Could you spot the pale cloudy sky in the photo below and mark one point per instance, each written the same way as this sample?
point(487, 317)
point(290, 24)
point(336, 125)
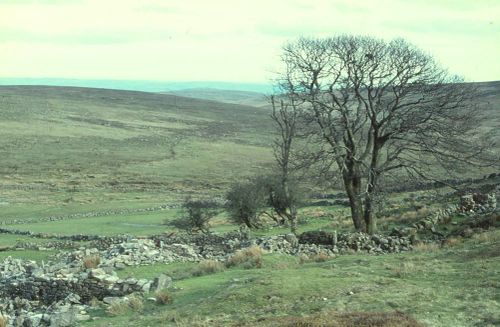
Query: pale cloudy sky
point(221, 40)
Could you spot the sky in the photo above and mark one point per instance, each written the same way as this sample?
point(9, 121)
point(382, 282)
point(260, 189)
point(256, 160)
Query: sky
point(236, 41)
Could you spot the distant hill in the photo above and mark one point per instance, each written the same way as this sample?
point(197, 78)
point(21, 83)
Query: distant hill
point(229, 96)
point(78, 147)
point(74, 149)
point(138, 85)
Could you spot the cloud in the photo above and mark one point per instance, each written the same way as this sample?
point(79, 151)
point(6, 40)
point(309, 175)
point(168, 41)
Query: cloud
point(218, 39)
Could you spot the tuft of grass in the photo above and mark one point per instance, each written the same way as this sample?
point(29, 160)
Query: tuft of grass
point(118, 308)
point(136, 303)
point(164, 297)
point(3, 321)
point(91, 261)
point(319, 257)
point(250, 257)
point(452, 241)
point(426, 247)
point(487, 237)
point(206, 267)
point(404, 270)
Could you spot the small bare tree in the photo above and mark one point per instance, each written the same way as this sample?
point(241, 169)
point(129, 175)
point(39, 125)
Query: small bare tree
point(284, 198)
point(376, 107)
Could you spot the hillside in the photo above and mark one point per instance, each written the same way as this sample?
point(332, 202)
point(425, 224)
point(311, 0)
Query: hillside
point(89, 179)
point(64, 149)
point(68, 150)
point(229, 96)
point(140, 85)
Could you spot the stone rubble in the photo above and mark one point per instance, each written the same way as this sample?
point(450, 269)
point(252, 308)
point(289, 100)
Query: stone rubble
point(478, 202)
point(59, 293)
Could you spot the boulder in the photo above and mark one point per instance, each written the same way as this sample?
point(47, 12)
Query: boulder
point(161, 282)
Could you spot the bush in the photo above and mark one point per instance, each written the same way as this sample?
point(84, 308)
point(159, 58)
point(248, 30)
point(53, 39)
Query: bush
point(196, 215)
point(91, 261)
point(245, 202)
point(248, 258)
point(282, 200)
point(206, 267)
point(164, 297)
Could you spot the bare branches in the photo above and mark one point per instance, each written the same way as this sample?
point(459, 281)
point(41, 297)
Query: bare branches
point(378, 107)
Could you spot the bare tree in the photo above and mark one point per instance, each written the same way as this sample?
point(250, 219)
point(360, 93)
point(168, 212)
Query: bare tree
point(284, 196)
point(378, 107)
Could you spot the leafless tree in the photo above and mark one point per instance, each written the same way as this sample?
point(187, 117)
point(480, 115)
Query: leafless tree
point(286, 117)
point(378, 107)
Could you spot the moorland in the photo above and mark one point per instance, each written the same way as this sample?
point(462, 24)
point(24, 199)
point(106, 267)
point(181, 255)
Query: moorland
point(118, 164)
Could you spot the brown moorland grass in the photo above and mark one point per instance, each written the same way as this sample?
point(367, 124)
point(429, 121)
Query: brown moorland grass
point(206, 267)
point(91, 261)
point(352, 319)
point(248, 258)
point(164, 297)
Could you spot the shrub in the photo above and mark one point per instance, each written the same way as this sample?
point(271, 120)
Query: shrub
point(164, 297)
point(248, 258)
point(282, 199)
point(206, 267)
point(196, 215)
point(91, 261)
point(245, 202)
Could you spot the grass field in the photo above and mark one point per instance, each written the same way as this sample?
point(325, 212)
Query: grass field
point(100, 158)
point(67, 150)
point(450, 286)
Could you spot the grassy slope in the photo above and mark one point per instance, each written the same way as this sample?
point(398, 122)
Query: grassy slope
point(67, 150)
point(238, 97)
point(451, 286)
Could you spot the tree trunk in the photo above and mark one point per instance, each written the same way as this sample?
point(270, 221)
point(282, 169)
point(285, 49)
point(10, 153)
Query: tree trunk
point(369, 217)
point(293, 223)
point(353, 187)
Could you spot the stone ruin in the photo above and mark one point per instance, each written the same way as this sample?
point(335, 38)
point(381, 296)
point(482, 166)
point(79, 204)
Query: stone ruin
point(478, 202)
point(58, 293)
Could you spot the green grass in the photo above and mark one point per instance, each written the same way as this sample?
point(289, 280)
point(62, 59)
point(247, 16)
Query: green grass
point(27, 255)
point(452, 286)
point(69, 150)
